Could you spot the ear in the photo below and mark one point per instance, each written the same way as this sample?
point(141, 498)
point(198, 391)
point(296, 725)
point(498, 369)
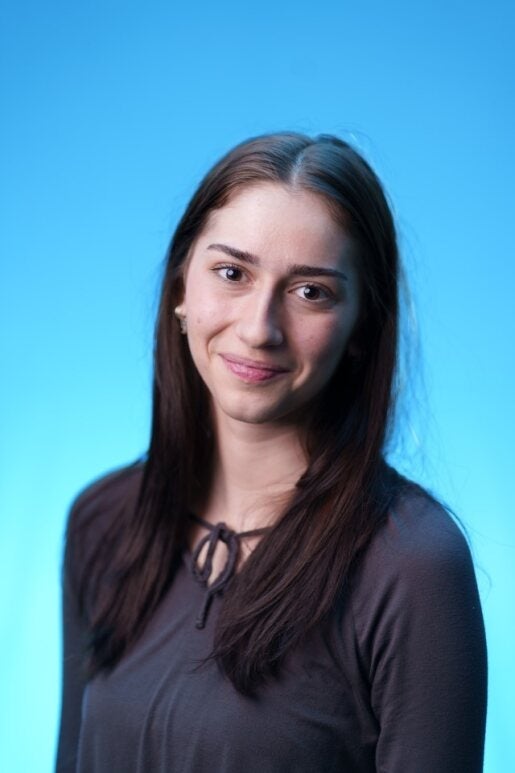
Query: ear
point(180, 310)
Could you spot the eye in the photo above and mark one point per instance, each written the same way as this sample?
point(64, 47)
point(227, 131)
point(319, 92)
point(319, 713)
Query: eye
point(229, 273)
point(310, 292)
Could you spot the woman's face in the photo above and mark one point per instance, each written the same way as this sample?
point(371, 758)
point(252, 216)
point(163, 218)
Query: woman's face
point(271, 300)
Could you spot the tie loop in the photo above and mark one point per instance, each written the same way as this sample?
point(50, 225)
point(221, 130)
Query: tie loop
point(202, 572)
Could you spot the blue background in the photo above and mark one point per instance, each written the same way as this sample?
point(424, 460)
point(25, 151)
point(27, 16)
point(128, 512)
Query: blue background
point(111, 112)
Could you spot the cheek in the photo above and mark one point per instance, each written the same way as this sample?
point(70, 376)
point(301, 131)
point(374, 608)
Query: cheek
point(207, 319)
point(324, 345)
point(202, 308)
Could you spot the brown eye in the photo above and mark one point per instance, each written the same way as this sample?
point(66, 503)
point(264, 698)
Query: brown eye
point(229, 273)
point(312, 293)
point(233, 274)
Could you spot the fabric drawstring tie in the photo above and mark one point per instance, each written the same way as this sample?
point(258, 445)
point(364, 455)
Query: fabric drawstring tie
point(202, 573)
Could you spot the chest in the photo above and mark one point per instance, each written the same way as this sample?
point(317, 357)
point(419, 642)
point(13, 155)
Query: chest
point(167, 707)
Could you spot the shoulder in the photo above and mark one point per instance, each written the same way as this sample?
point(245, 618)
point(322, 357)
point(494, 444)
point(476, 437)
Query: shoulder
point(415, 621)
point(418, 534)
point(418, 561)
point(96, 509)
point(98, 499)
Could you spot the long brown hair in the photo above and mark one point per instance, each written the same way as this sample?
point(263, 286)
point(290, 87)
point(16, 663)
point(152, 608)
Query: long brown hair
point(295, 574)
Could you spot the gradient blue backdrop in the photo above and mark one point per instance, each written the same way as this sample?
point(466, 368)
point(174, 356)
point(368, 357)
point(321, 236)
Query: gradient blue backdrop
point(111, 112)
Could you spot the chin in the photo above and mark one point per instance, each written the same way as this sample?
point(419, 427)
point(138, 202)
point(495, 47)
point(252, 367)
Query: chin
point(259, 414)
point(251, 417)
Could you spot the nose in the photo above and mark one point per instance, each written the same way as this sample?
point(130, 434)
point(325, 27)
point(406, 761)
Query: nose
point(260, 322)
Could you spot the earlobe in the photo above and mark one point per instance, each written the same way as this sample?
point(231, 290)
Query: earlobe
point(180, 313)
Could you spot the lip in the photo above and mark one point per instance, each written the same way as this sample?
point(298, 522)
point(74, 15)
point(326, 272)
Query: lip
point(253, 371)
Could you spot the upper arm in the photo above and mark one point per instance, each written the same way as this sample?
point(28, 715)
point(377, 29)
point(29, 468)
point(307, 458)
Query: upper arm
point(424, 637)
point(74, 642)
point(88, 522)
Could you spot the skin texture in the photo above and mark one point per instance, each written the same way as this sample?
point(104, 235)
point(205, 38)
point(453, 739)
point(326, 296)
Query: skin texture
point(266, 341)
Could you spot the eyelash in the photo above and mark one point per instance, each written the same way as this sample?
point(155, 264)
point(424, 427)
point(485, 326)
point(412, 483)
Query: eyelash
point(329, 296)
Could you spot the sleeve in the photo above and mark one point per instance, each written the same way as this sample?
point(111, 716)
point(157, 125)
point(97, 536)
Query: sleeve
point(419, 624)
point(74, 641)
point(89, 518)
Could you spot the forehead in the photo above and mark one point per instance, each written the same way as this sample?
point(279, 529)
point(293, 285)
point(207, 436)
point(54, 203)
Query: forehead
point(279, 223)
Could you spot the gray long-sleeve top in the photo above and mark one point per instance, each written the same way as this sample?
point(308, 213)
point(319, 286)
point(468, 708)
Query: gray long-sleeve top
point(394, 683)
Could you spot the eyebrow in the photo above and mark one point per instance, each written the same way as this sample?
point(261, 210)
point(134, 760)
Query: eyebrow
point(296, 269)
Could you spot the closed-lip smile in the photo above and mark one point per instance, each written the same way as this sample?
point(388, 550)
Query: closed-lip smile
point(252, 370)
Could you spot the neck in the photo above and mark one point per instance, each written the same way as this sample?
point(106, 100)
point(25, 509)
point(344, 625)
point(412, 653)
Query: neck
point(255, 471)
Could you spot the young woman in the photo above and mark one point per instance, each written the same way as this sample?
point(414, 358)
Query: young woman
point(263, 592)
